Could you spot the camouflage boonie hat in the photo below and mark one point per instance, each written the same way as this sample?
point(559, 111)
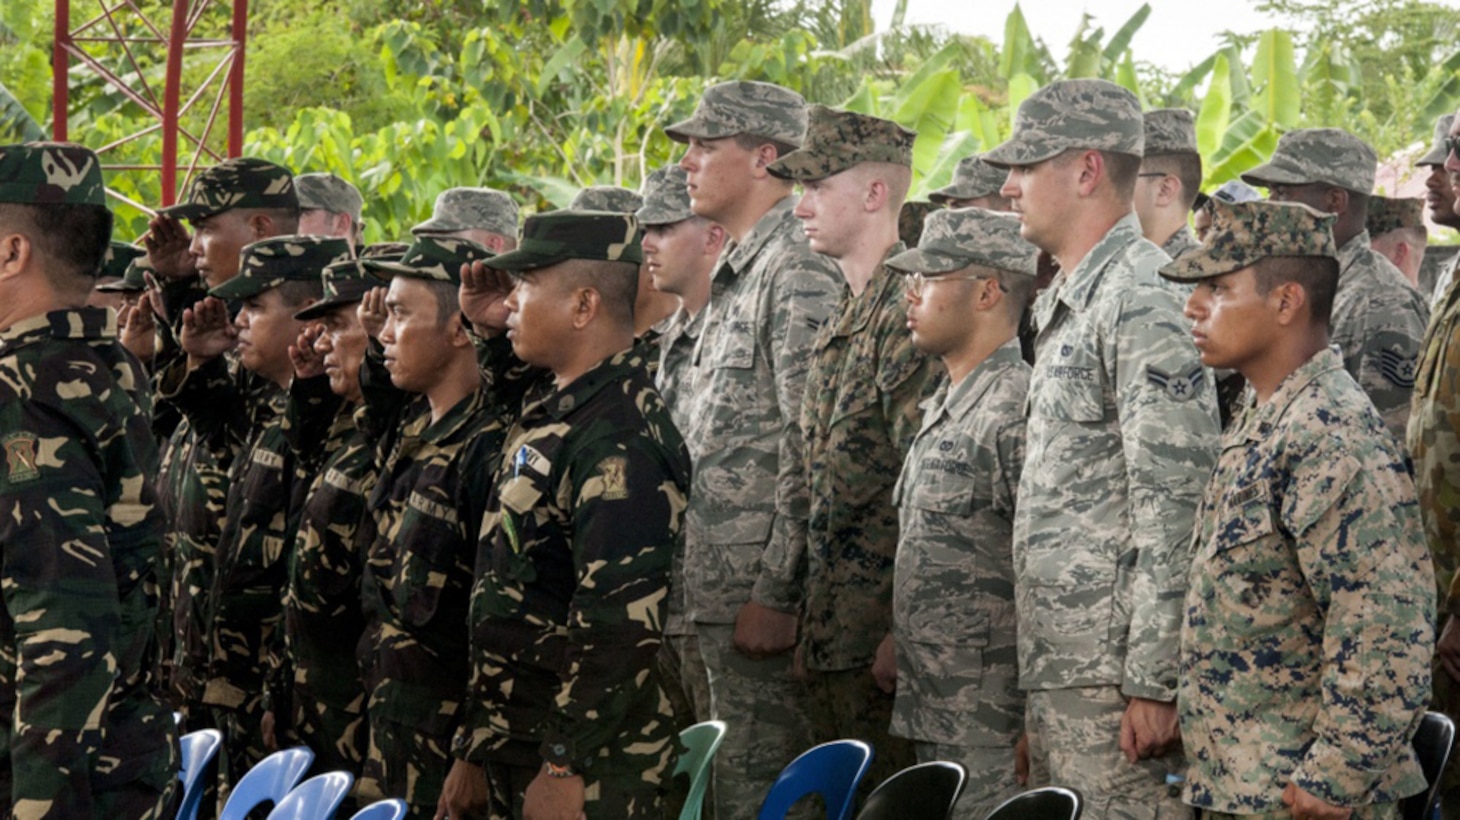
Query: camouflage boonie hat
point(558, 236)
point(1438, 153)
point(1170, 131)
point(837, 140)
point(50, 173)
point(118, 263)
point(1095, 115)
point(910, 220)
point(1331, 156)
point(242, 182)
point(609, 198)
point(742, 107)
point(1388, 214)
point(328, 192)
point(465, 209)
point(346, 282)
point(973, 178)
point(269, 263)
point(1244, 233)
point(954, 239)
point(134, 279)
point(666, 197)
point(434, 258)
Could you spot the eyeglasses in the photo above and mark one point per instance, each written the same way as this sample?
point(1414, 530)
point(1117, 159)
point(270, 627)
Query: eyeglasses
point(915, 281)
point(1153, 174)
point(1452, 146)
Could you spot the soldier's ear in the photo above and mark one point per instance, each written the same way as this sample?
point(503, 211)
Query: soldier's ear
point(1291, 299)
point(16, 251)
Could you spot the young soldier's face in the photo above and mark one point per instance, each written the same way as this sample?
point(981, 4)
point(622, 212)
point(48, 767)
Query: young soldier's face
point(540, 321)
point(343, 346)
point(718, 173)
point(829, 211)
point(1231, 321)
point(940, 315)
point(416, 338)
point(1042, 195)
point(673, 253)
point(266, 327)
point(217, 241)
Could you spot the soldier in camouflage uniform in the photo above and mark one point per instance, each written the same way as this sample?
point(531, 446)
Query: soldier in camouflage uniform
point(1169, 181)
point(1122, 430)
point(858, 416)
point(1378, 320)
point(84, 735)
point(113, 289)
point(975, 184)
point(1440, 260)
point(652, 309)
point(769, 295)
point(1397, 232)
point(607, 198)
point(329, 206)
point(485, 216)
point(1306, 643)
point(953, 598)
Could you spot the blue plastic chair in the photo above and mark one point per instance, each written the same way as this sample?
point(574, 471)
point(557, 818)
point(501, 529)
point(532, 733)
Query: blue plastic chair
point(315, 798)
point(198, 750)
point(392, 809)
point(700, 740)
point(831, 770)
point(267, 782)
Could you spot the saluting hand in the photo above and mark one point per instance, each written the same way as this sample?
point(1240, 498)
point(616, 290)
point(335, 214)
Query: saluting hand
point(167, 243)
point(207, 332)
point(137, 328)
point(372, 312)
point(483, 297)
point(307, 361)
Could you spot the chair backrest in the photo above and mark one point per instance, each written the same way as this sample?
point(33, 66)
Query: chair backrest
point(269, 781)
point(700, 740)
point(198, 750)
point(926, 791)
point(315, 798)
point(831, 770)
point(1433, 742)
point(1049, 803)
point(392, 809)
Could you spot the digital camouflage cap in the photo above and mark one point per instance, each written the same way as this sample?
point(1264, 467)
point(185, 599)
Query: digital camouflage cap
point(1244, 233)
point(837, 140)
point(134, 278)
point(467, 209)
point(116, 261)
point(242, 182)
point(666, 197)
point(743, 107)
point(972, 179)
point(1389, 214)
point(558, 236)
point(433, 258)
point(346, 282)
point(954, 239)
point(607, 198)
point(269, 263)
point(1086, 114)
point(1170, 131)
point(1438, 153)
point(50, 173)
point(328, 192)
point(1331, 156)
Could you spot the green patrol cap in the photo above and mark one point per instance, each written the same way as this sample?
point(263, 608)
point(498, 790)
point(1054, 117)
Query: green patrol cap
point(1331, 156)
point(607, 198)
point(558, 236)
point(467, 209)
point(118, 263)
point(1388, 214)
point(134, 279)
point(435, 258)
point(743, 107)
point(1170, 131)
point(1088, 114)
point(269, 263)
point(1438, 152)
point(837, 140)
point(954, 239)
point(241, 182)
point(666, 197)
point(50, 173)
point(1244, 233)
point(973, 178)
point(328, 192)
point(346, 282)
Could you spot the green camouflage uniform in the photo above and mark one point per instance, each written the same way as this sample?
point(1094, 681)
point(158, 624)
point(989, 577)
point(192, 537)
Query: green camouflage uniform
point(1308, 628)
point(80, 535)
point(1122, 430)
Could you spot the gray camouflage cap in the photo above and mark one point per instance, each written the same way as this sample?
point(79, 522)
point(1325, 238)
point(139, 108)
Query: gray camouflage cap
point(607, 198)
point(465, 209)
point(973, 178)
point(1438, 152)
point(954, 239)
point(1087, 114)
point(666, 197)
point(742, 107)
point(837, 140)
point(1388, 214)
point(328, 192)
point(269, 263)
point(134, 280)
point(1244, 233)
point(434, 258)
point(346, 282)
point(241, 182)
point(50, 173)
point(116, 263)
point(558, 236)
point(1170, 131)
point(1331, 156)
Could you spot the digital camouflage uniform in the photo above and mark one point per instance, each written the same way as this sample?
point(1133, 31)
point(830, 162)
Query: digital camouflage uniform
point(1378, 319)
point(1308, 628)
point(1172, 131)
point(953, 613)
point(859, 414)
point(464, 209)
point(80, 533)
point(1122, 430)
point(972, 179)
point(329, 192)
point(1439, 264)
point(769, 296)
point(607, 198)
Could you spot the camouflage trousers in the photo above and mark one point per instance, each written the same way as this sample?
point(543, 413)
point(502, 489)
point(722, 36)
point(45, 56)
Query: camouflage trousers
point(336, 736)
point(406, 763)
point(991, 778)
point(1074, 740)
point(764, 710)
point(243, 743)
point(137, 801)
point(682, 674)
point(603, 799)
point(848, 704)
point(1383, 811)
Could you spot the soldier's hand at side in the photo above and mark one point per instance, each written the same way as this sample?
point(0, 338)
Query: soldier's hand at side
point(307, 361)
point(266, 728)
point(884, 665)
point(372, 312)
point(464, 794)
point(1148, 728)
point(207, 332)
point(1021, 759)
point(553, 798)
point(762, 632)
point(167, 243)
point(483, 297)
point(1305, 806)
point(1449, 648)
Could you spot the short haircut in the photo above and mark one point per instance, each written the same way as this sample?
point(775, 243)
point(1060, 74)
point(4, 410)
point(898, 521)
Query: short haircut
point(448, 300)
point(297, 292)
point(1123, 170)
point(286, 220)
point(1018, 290)
point(897, 178)
point(1316, 275)
point(751, 142)
point(1186, 167)
point(617, 284)
point(73, 237)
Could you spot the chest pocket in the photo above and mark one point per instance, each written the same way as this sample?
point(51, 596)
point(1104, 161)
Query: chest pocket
point(429, 542)
point(511, 559)
point(1073, 387)
point(734, 347)
point(337, 509)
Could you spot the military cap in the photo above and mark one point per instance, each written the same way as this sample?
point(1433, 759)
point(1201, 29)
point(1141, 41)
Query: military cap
point(743, 107)
point(269, 263)
point(837, 140)
point(1170, 131)
point(558, 236)
point(464, 209)
point(607, 198)
point(1388, 214)
point(1244, 233)
point(1236, 191)
point(973, 178)
point(911, 218)
point(50, 173)
point(666, 197)
point(954, 239)
point(434, 258)
point(1331, 156)
point(1438, 152)
point(134, 279)
point(241, 182)
point(118, 263)
point(1086, 114)
point(345, 283)
point(328, 192)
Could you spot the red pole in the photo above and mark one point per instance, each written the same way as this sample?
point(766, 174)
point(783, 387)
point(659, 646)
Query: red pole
point(171, 95)
point(60, 71)
point(235, 79)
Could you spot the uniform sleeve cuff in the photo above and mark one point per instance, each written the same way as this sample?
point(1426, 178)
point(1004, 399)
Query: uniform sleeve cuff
point(1331, 776)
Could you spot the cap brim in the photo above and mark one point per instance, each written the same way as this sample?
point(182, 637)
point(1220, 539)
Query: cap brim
point(190, 211)
point(661, 216)
point(1435, 157)
point(1268, 174)
point(242, 287)
point(920, 260)
point(319, 309)
point(697, 128)
point(1199, 265)
point(1022, 150)
point(800, 167)
point(521, 260)
point(431, 226)
point(119, 287)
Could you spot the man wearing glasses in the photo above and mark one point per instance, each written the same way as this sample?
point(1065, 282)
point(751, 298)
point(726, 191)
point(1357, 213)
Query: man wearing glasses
point(1169, 180)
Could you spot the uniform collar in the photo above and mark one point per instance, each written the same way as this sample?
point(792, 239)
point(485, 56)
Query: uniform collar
point(452, 422)
point(1180, 242)
point(884, 286)
point(1080, 284)
point(558, 404)
point(1259, 420)
point(1350, 253)
point(737, 255)
point(966, 395)
point(74, 323)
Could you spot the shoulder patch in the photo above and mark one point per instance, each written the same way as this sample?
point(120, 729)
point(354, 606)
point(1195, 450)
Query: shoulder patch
point(615, 474)
point(1398, 368)
point(20, 457)
point(1179, 386)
